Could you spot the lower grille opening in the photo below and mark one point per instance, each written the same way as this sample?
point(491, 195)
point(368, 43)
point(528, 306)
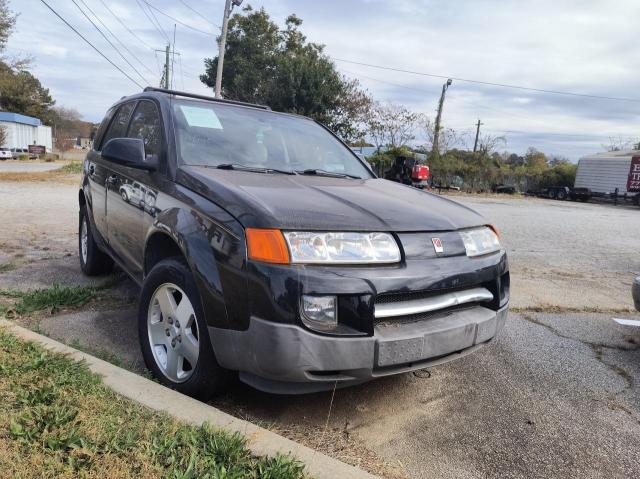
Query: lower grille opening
point(414, 318)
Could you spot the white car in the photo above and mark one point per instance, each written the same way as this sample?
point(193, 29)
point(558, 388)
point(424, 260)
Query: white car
point(5, 154)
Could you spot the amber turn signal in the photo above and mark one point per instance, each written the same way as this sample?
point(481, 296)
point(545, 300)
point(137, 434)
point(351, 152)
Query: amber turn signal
point(494, 229)
point(267, 245)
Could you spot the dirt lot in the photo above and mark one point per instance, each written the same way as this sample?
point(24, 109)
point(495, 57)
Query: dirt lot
point(556, 395)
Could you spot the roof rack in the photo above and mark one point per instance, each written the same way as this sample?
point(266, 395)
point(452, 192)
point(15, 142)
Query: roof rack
point(203, 97)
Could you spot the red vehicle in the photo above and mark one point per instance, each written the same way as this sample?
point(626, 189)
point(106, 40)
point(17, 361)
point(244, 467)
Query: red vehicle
point(409, 171)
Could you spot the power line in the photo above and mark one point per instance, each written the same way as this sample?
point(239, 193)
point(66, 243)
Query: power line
point(465, 128)
point(109, 41)
point(481, 82)
point(422, 90)
point(90, 44)
point(125, 25)
point(199, 14)
point(158, 27)
point(175, 19)
point(116, 37)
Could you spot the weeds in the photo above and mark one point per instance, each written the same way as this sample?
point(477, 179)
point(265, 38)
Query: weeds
point(57, 419)
point(49, 299)
point(74, 167)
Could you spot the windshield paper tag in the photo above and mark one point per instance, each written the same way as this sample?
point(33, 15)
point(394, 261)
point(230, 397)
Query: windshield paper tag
point(201, 117)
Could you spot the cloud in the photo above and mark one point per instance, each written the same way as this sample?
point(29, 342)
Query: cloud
point(53, 51)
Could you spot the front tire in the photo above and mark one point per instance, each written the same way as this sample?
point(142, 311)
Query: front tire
point(93, 261)
point(173, 333)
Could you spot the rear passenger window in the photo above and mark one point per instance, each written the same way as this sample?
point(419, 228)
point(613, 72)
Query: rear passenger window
point(146, 125)
point(118, 128)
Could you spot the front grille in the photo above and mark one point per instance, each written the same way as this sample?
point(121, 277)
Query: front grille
point(416, 306)
point(415, 318)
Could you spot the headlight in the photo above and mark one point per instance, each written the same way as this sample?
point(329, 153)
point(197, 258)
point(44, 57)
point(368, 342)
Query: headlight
point(480, 241)
point(349, 248)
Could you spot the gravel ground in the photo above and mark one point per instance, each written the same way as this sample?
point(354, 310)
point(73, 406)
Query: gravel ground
point(556, 395)
point(572, 255)
point(38, 221)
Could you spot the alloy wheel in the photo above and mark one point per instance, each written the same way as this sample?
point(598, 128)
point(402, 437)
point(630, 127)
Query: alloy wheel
point(84, 240)
point(173, 332)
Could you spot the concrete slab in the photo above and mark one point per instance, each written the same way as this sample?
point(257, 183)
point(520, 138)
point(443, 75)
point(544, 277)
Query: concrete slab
point(108, 333)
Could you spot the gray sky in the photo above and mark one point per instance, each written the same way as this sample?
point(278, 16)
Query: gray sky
point(582, 46)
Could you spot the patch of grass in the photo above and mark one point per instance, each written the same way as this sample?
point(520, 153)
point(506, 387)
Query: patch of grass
point(74, 167)
point(5, 267)
point(57, 419)
point(49, 299)
point(98, 353)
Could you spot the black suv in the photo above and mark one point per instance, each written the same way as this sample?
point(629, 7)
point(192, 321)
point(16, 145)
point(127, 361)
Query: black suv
point(265, 246)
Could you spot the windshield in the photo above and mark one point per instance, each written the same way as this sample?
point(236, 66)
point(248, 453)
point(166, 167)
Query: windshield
point(217, 134)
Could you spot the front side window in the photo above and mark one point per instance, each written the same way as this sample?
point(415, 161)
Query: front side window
point(97, 139)
point(118, 127)
point(211, 135)
point(146, 125)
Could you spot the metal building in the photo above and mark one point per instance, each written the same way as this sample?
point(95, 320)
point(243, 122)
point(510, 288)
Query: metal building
point(23, 131)
point(603, 173)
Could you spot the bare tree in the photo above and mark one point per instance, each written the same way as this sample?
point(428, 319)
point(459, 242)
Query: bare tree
point(68, 127)
point(447, 139)
point(391, 124)
point(488, 144)
point(621, 144)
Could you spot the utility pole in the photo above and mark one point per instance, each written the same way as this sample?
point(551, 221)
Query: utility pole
point(166, 67)
point(436, 134)
point(228, 6)
point(475, 143)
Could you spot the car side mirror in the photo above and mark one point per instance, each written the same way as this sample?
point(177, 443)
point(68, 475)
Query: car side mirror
point(128, 152)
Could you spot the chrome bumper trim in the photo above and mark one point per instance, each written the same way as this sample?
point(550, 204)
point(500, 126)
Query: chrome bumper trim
point(435, 303)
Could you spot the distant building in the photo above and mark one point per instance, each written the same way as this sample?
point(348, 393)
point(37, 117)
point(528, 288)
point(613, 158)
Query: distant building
point(23, 131)
point(83, 143)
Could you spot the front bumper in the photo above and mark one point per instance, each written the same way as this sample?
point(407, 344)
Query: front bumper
point(287, 359)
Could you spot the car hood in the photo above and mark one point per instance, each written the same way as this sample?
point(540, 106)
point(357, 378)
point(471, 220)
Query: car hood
point(306, 202)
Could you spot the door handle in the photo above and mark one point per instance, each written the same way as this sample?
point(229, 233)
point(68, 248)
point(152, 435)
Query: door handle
point(112, 180)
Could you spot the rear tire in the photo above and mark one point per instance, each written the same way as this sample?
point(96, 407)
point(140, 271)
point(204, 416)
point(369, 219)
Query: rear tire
point(173, 333)
point(93, 261)
point(562, 195)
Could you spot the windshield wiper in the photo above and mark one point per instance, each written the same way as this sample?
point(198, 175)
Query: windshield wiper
point(255, 169)
point(334, 174)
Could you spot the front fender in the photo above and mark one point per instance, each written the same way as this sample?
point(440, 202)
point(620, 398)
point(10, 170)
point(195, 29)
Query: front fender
point(216, 256)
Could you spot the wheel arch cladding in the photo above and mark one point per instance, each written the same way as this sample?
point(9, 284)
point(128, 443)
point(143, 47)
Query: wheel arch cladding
point(187, 233)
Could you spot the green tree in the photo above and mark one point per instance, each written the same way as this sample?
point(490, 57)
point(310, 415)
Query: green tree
point(7, 24)
point(20, 91)
point(280, 68)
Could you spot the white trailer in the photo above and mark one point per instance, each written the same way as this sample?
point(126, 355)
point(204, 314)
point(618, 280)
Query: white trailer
point(610, 174)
